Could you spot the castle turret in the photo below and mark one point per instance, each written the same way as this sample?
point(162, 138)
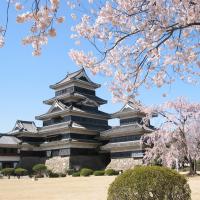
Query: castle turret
point(123, 142)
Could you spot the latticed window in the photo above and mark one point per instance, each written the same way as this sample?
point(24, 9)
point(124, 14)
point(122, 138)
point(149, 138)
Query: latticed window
point(128, 154)
point(125, 138)
point(64, 91)
point(130, 121)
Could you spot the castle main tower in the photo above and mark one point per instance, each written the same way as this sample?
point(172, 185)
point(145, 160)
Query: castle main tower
point(73, 123)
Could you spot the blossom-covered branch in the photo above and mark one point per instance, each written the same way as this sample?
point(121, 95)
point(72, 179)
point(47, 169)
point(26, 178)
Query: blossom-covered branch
point(142, 43)
point(42, 15)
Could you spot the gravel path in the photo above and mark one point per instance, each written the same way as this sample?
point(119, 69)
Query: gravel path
point(69, 188)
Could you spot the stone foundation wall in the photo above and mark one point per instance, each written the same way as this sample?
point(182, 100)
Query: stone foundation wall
point(58, 164)
point(92, 162)
point(123, 163)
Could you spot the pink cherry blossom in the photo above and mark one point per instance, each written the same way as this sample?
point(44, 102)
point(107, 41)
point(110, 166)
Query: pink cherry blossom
point(1, 41)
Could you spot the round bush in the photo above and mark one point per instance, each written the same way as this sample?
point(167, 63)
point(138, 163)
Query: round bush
point(7, 172)
point(39, 169)
point(99, 173)
point(111, 172)
point(149, 183)
point(21, 172)
point(76, 174)
point(86, 172)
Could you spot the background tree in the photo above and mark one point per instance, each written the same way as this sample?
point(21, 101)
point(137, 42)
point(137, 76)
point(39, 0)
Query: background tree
point(178, 137)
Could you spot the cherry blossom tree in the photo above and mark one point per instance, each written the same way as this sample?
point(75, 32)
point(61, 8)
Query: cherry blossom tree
point(138, 43)
point(178, 137)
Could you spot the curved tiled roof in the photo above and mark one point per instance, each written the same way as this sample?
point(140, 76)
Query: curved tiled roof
point(25, 126)
point(130, 107)
point(9, 140)
point(75, 76)
point(75, 95)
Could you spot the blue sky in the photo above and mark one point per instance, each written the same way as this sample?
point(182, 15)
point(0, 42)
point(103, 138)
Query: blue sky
point(25, 80)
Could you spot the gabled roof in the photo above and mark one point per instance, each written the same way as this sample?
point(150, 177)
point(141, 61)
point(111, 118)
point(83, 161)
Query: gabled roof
point(128, 129)
point(88, 102)
point(57, 106)
point(79, 75)
point(129, 109)
point(75, 95)
point(25, 126)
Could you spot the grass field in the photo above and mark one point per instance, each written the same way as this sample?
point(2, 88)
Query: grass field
point(69, 188)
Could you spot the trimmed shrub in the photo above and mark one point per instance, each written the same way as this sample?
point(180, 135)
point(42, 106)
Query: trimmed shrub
point(149, 182)
point(86, 172)
point(70, 171)
point(99, 173)
point(40, 169)
point(62, 175)
point(76, 174)
point(20, 172)
point(111, 172)
point(7, 172)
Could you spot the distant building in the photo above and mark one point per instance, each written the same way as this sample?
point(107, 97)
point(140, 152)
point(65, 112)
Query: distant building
point(9, 151)
point(75, 133)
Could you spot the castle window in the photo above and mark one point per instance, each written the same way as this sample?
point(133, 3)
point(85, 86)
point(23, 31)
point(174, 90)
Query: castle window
point(125, 138)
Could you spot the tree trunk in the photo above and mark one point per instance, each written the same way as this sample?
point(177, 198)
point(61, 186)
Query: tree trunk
point(192, 167)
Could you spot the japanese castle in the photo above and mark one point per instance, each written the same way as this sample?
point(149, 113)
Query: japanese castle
point(75, 133)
